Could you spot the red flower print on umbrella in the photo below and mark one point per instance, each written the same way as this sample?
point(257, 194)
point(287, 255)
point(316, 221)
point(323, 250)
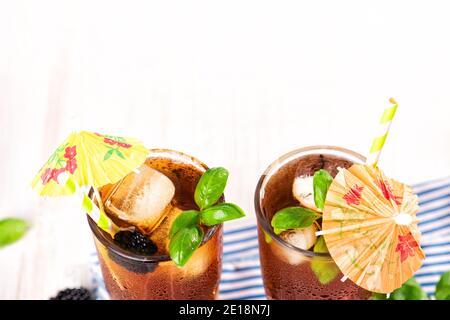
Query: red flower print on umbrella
point(406, 246)
point(56, 173)
point(46, 175)
point(124, 145)
point(71, 152)
point(71, 165)
point(114, 140)
point(110, 141)
point(353, 196)
point(387, 191)
point(114, 143)
point(51, 174)
point(63, 159)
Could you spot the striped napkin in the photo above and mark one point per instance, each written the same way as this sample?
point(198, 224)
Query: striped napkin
point(241, 276)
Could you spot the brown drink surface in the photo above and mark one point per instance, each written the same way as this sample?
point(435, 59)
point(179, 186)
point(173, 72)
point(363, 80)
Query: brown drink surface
point(198, 279)
point(288, 274)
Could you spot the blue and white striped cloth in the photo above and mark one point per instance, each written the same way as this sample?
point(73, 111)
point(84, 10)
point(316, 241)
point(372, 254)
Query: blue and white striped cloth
point(241, 276)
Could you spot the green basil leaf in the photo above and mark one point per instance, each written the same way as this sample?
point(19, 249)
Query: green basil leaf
point(292, 218)
point(210, 187)
point(443, 287)
point(321, 182)
point(410, 290)
point(220, 213)
point(183, 244)
point(11, 230)
point(324, 270)
point(186, 219)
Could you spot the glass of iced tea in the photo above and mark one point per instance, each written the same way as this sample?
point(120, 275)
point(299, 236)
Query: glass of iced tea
point(291, 268)
point(137, 265)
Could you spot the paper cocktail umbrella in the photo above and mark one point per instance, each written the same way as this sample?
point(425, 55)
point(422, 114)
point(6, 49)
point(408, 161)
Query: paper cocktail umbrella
point(87, 159)
point(370, 225)
point(370, 228)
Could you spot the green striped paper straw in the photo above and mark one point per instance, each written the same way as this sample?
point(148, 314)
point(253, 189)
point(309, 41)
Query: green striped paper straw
point(385, 125)
point(97, 214)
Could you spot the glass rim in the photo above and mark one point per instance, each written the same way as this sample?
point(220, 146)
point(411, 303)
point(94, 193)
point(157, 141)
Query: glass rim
point(275, 166)
point(107, 240)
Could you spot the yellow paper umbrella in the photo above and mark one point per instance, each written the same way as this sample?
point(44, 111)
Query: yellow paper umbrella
point(370, 228)
point(87, 159)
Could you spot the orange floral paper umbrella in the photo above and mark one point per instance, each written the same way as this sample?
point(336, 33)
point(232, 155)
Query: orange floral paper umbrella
point(370, 228)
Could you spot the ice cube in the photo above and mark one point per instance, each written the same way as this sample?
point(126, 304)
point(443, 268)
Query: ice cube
point(160, 235)
point(303, 238)
point(303, 191)
point(200, 261)
point(142, 199)
point(300, 238)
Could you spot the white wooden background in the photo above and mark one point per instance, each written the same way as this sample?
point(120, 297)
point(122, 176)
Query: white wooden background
point(234, 83)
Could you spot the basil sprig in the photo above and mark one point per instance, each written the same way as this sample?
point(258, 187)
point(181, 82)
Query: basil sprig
point(300, 217)
point(186, 233)
point(293, 218)
point(321, 182)
point(186, 219)
point(184, 243)
point(11, 230)
point(411, 290)
point(443, 287)
point(220, 213)
point(210, 187)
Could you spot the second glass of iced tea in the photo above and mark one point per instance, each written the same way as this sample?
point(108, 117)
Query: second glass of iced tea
point(130, 275)
point(290, 273)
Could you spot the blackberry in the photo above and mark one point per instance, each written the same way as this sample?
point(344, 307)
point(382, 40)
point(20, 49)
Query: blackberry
point(73, 294)
point(135, 242)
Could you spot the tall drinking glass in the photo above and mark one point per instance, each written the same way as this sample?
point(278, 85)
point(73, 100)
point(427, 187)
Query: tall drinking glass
point(290, 273)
